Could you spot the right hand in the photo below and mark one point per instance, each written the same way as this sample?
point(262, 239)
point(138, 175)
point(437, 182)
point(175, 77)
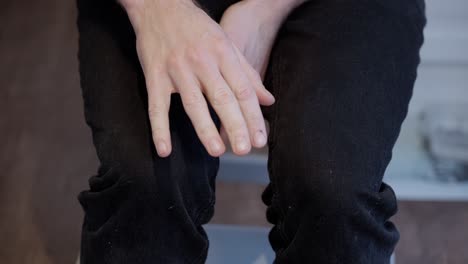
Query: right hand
point(181, 49)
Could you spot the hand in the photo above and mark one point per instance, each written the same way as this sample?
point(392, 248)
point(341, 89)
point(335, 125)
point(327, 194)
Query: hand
point(181, 49)
point(250, 33)
point(253, 24)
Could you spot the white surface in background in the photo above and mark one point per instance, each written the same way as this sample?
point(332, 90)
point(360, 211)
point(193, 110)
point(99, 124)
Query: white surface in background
point(443, 73)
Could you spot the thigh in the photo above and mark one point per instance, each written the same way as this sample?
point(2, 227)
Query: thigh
point(342, 73)
point(112, 84)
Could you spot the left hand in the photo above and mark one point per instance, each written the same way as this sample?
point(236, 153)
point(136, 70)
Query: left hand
point(252, 27)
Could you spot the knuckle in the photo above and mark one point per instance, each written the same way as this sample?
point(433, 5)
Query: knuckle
point(235, 128)
point(220, 46)
point(205, 131)
point(256, 77)
point(156, 131)
point(174, 61)
point(156, 69)
point(244, 92)
point(153, 76)
point(155, 110)
point(195, 55)
point(257, 120)
point(222, 96)
point(193, 99)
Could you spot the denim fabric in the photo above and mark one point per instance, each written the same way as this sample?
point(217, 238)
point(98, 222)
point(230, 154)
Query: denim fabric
point(342, 73)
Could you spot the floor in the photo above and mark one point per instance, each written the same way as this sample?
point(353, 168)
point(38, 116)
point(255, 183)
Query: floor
point(46, 153)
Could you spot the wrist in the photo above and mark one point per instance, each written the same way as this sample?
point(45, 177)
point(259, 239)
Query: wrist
point(140, 10)
point(286, 5)
point(130, 4)
point(274, 11)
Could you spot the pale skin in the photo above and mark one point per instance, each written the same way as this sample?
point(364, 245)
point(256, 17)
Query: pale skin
point(183, 50)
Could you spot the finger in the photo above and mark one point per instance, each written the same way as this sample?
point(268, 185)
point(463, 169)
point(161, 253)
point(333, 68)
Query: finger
point(159, 98)
point(197, 110)
point(264, 96)
point(226, 106)
point(244, 91)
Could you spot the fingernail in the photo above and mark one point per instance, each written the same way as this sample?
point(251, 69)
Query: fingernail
point(260, 138)
point(215, 146)
point(271, 96)
point(242, 144)
point(161, 148)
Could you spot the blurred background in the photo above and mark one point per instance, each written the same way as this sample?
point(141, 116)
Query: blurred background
point(46, 153)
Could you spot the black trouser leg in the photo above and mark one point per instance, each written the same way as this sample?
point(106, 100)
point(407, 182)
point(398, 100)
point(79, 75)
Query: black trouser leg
point(140, 209)
point(342, 73)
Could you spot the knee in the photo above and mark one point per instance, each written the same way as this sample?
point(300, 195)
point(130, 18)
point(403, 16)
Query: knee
point(341, 201)
point(327, 194)
point(163, 187)
point(109, 190)
point(349, 200)
point(327, 185)
point(330, 171)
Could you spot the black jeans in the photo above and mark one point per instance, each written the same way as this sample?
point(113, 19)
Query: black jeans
point(342, 73)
